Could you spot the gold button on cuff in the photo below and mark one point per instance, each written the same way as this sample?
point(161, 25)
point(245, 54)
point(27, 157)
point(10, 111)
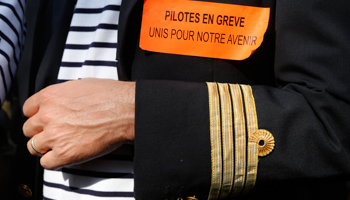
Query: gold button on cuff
point(24, 191)
point(265, 141)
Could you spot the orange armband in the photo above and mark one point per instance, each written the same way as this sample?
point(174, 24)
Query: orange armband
point(203, 29)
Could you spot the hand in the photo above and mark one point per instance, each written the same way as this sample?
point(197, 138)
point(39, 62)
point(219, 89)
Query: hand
point(77, 121)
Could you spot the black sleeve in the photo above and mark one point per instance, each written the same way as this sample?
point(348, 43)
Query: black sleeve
point(172, 119)
point(307, 114)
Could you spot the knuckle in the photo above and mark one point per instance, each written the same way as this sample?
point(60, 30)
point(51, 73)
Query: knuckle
point(45, 117)
point(47, 94)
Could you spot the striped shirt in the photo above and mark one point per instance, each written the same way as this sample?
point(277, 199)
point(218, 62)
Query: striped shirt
point(90, 51)
point(12, 34)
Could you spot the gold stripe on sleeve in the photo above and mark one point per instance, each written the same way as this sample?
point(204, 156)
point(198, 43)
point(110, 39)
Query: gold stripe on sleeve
point(240, 140)
point(227, 140)
point(236, 142)
point(215, 140)
point(252, 127)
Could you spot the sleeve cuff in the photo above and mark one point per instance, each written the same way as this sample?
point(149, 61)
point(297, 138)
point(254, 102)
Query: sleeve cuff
point(236, 140)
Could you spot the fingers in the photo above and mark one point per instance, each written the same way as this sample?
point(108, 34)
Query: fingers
point(51, 161)
point(34, 109)
point(37, 145)
point(32, 126)
point(48, 158)
point(31, 106)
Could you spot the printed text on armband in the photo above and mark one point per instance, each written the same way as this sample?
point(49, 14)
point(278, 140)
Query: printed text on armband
point(204, 18)
point(202, 36)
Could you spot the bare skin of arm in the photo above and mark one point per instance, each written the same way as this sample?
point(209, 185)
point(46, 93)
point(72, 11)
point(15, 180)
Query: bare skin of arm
point(77, 121)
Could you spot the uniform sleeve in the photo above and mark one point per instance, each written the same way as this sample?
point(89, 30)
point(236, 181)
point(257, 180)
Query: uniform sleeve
point(12, 34)
point(217, 140)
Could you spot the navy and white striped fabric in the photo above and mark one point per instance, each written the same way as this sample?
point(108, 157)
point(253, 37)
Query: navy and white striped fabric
point(90, 51)
point(12, 34)
point(92, 41)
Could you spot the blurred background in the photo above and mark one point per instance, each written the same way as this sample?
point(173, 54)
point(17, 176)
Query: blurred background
point(7, 147)
point(10, 124)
